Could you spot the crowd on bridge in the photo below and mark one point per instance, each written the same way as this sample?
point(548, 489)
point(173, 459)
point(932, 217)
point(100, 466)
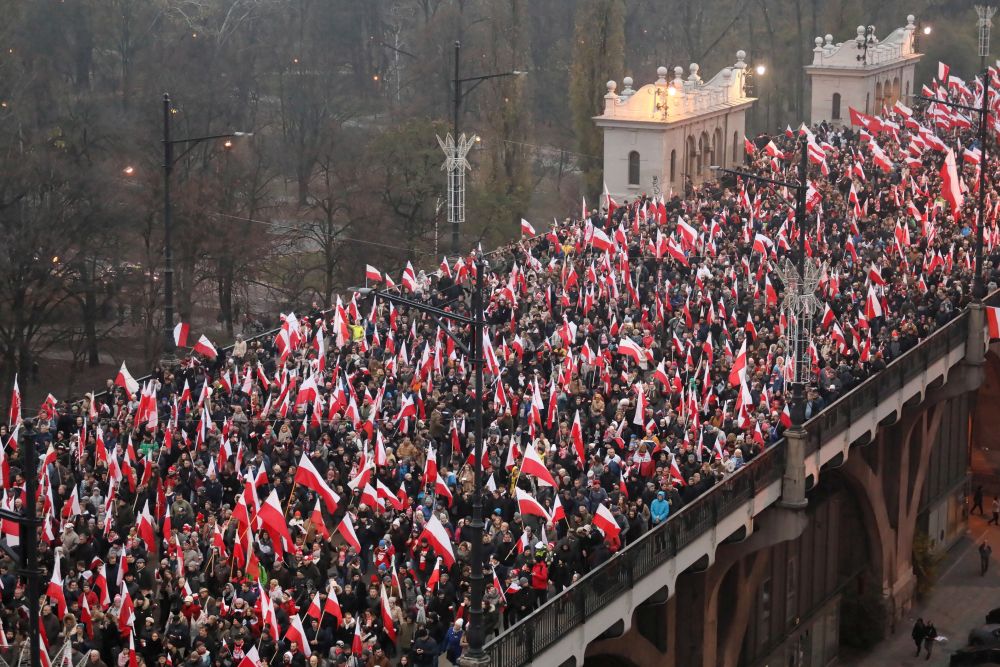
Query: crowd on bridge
point(305, 498)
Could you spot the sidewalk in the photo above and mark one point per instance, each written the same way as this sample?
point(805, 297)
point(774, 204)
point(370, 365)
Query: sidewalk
point(958, 603)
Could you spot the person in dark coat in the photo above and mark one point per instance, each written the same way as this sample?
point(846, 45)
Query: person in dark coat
point(918, 634)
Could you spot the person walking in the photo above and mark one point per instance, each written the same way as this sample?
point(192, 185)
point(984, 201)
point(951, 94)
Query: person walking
point(996, 512)
point(985, 551)
point(930, 635)
point(977, 500)
point(919, 629)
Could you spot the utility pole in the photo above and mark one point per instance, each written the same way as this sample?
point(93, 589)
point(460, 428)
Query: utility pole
point(800, 280)
point(474, 656)
point(456, 146)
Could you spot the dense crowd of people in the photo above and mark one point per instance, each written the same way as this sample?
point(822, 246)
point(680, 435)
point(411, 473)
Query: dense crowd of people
point(304, 498)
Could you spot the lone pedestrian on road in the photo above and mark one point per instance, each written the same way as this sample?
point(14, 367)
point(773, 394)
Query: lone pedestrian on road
point(996, 511)
point(930, 634)
point(919, 630)
point(977, 500)
point(985, 551)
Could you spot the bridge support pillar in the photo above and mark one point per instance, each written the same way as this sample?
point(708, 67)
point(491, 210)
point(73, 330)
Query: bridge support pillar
point(975, 345)
point(793, 482)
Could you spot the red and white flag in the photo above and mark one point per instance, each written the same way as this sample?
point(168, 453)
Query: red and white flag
point(181, 331)
point(439, 538)
point(308, 476)
point(372, 274)
point(125, 380)
point(205, 348)
point(297, 634)
point(532, 465)
point(605, 521)
point(527, 504)
point(527, 229)
point(993, 322)
point(951, 189)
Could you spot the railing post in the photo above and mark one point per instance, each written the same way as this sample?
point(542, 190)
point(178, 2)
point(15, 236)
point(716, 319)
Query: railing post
point(793, 482)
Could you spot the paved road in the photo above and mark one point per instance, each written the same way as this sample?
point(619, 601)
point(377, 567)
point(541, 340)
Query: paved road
point(958, 603)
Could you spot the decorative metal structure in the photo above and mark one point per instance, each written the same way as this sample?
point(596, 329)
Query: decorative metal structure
point(799, 304)
point(985, 24)
point(455, 163)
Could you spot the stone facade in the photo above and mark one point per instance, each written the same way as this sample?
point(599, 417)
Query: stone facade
point(865, 73)
point(671, 130)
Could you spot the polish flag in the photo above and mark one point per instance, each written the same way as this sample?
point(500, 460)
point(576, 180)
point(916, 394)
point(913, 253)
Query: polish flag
point(307, 475)
point(181, 331)
point(601, 241)
point(527, 504)
point(532, 465)
point(576, 434)
point(558, 512)
point(527, 229)
point(124, 380)
point(993, 321)
point(357, 645)
point(435, 578)
point(409, 278)
point(346, 530)
point(738, 370)
point(297, 633)
point(430, 466)
point(943, 73)
point(372, 274)
point(273, 521)
point(609, 203)
point(14, 415)
point(145, 527)
point(204, 347)
point(439, 538)
point(387, 622)
point(332, 605)
point(875, 275)
point(605, 521)
point(631, 349)
point(951, 189)
point(55, 588)
point(317, 521)
point(873, 307)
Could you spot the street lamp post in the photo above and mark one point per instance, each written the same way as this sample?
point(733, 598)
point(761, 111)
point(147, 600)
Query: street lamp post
point(800, 282)
point(456, 147)
point(475, 654)
point(169, 359)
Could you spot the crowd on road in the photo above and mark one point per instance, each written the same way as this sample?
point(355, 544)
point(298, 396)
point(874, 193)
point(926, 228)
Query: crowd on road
point(305, 498)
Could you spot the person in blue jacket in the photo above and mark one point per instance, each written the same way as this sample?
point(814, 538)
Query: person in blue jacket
point(659, 508)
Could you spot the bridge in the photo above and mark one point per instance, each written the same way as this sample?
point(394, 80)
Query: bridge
point(886, 461)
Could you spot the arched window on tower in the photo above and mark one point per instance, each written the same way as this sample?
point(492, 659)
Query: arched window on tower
point(835, 115)
point(633, 168)
point(673, 165)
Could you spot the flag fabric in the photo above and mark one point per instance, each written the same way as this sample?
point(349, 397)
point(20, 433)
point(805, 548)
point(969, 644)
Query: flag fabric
point(951, 189)
point(439, 538)
point(125, 380)
point(993, 322)
point(605, 521)
point(527, 229)
point(181, 331)
point(205, 348)
point(308, 476)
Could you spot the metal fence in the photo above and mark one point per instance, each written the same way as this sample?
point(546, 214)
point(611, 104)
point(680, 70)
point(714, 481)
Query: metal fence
point(569, 609)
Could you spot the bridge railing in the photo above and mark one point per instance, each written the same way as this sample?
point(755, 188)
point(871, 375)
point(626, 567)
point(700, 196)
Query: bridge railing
point(565, 611)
